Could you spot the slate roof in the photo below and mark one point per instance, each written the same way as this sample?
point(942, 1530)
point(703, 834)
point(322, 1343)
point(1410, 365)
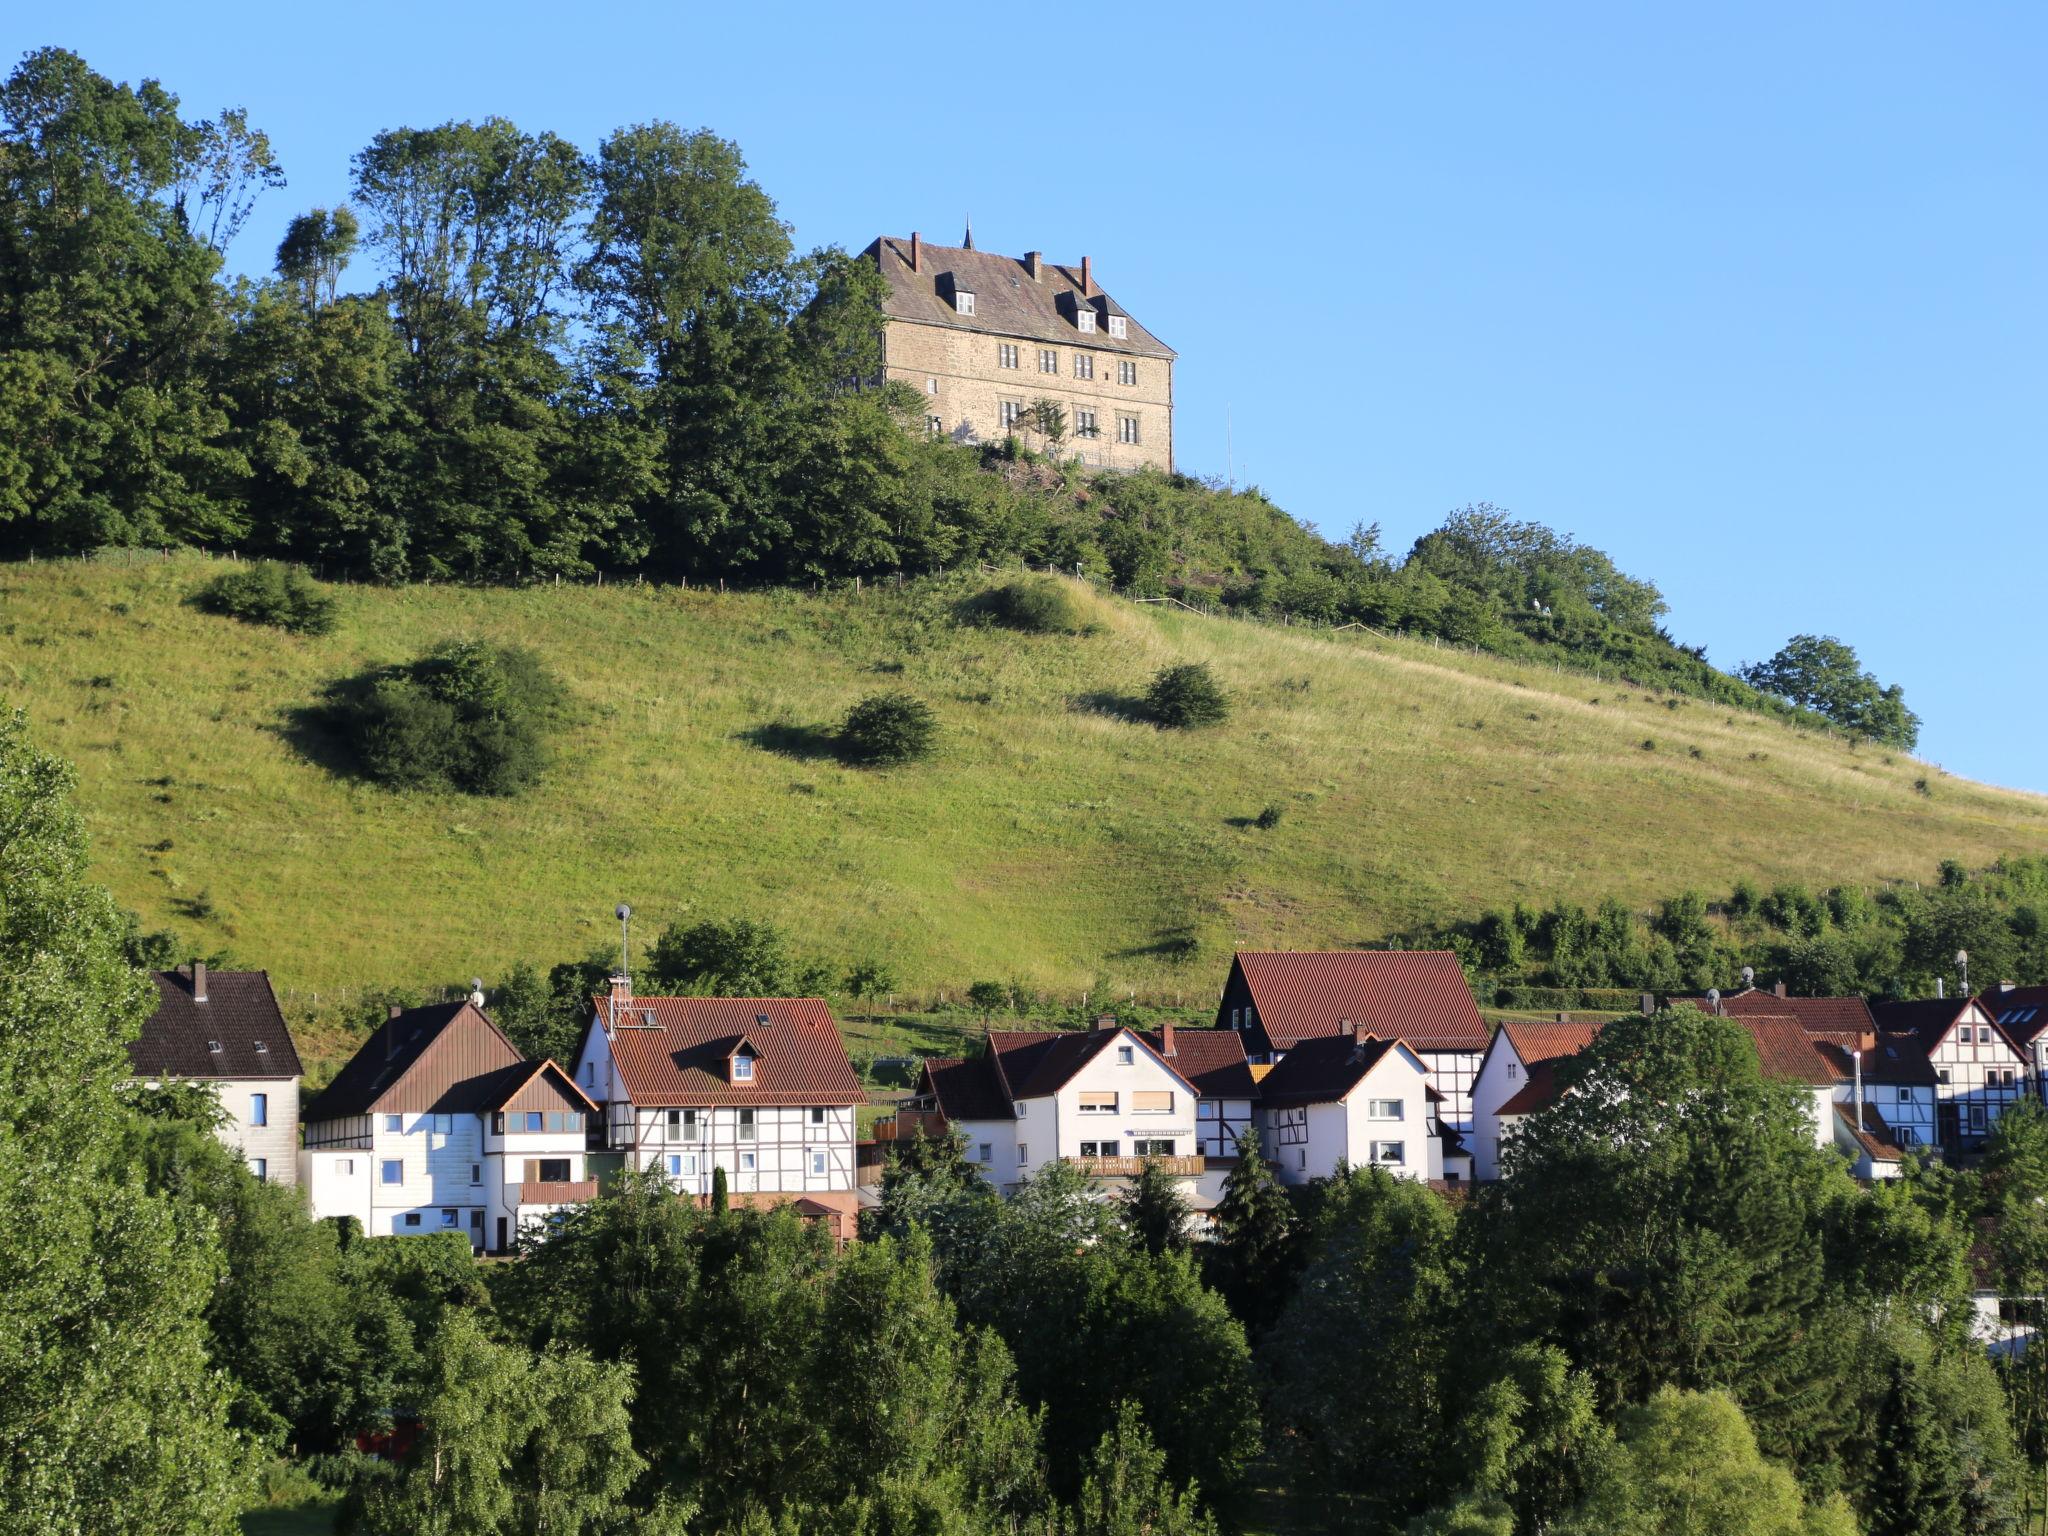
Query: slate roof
point(964, 1088)
point(1415, 995)
point(1889, 1058)
point(672, 1051)
point(240, 1014)
point(2021, 1012)
point(1008, 301)
point(448, 1058)
point(1930, 1020)
point(1325, 1069)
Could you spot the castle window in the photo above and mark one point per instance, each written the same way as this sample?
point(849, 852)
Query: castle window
point(963, 301)
point(1127, 429)
point(1084, 424)
point(1009, 411)
point(931, 386)
point(937, 424)
point(1048, 360)
point(1085, 318)
point(1084, 365)
point(1006, 356)
point(1119, 326)
point(1127, 373)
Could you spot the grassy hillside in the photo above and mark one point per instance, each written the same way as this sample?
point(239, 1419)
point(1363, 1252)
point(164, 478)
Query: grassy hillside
point(1053, 842)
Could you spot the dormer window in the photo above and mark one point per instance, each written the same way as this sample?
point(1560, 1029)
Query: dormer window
point(743, 1065)
point(963, 301)
point(262, 1049)
point(1119, 326)
point(1084, 317)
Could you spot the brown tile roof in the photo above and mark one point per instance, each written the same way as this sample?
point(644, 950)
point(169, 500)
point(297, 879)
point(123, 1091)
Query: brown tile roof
point(1212, 1060)
point(1874, 1136)
point(1828, 1013)
point(1787, 1053)
point(1415, 995)
point(964, 1088)
point(1930, 1020)
point(445, 1059)
point(1324, 1069)
point(2021, 1011)
point(538, 1085)
point(1033, 1063)
point(240, 1014)
point(1539, 1040)
point(1538, 1089)
point(1007, 300)
point(679, 1058)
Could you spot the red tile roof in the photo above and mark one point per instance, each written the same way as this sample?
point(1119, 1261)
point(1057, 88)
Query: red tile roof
point(1787, 1053)
point(673, 1051)
point(1326, 1068)
point(1821, 1013)
point(1033, 1063)
point(1891, 1058)
point(1537, 1040)
point(1537, 1090)
point(1416, 995)
point(1875, 1137)
point(1212, 1060)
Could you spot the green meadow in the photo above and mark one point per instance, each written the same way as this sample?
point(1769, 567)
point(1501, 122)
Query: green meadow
point(1055, 840)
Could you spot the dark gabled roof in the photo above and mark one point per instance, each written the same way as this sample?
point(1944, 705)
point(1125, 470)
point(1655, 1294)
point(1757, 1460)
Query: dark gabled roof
point(1415, 995)
point(1212, 1060)
point(448, 1058)
point(1820, 1013)
point(1008, 301)
point(2021, 1012)
point(1032, 1064)
point(1538, 1089)
point(680, 1057)
point(1327, 1068)
point(964, 1088)
point(1930, 1020)
point(240, 1014)
point(534, 1084)
point(1893, 1059)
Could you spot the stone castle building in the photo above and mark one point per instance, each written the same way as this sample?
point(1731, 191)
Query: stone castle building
point(985, 337)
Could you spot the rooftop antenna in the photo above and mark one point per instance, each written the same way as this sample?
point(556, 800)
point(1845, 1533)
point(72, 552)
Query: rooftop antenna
point(476, 991)
point(1963, 964)
point(625, 915)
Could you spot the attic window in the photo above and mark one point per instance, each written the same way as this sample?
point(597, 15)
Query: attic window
point(213, 1046)
point(1084, 317)
point(1119, 326)
point(743, 1068)
point(1123, 1055)
point(262, 1049)
point(963, 301)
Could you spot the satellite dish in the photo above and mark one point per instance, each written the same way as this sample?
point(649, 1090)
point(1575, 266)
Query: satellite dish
point(623, 913)
point(1714, 996)
point(1749, 975)
point(476, 991)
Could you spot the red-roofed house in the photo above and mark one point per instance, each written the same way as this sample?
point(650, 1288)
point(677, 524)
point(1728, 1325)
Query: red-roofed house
point(1106, 1099)
point(758, 1086)
point(1517, 1077)
point(1277, 999)
point(1353, 1100)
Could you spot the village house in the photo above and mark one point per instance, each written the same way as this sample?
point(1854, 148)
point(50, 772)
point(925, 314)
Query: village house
point(439, 1124)
point(983, 338)
point(1277, 999)
point(1107, 1099)
point(2022, 1012)
point(1845, 1076)
point(1349, 1100)
point(757, 1086)
point(1518, 1076)
point(1979, 1068)
point(225, 1030)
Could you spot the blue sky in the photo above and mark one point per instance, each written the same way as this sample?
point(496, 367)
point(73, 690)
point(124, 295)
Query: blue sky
point(1750, 296)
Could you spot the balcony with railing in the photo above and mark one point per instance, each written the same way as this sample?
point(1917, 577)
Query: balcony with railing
point(1131, 1167)
point(557, 1192)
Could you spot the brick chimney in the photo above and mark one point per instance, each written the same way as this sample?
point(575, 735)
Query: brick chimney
point(1777, 989)
point(198, 981)
point(393, 1011)
point(1105, 1021)
point(1034, 263)
point(1360, 1035)
point(1087, 276)
point(916, 252)
point(1166, 1039)
point(1564, 1018)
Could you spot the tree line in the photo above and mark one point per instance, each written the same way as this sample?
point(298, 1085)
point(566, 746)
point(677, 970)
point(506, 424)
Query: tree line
point(618, 360)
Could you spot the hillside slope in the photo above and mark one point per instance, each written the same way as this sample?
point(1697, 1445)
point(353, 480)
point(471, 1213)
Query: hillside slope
point(1053, 842)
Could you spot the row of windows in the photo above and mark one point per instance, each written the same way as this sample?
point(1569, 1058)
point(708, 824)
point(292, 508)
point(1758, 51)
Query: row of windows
point(1010, 413)
point(683, 1165)
point(539, 1170)
point(688, 1124)
point(551, 1121)
point(1142, 1147)
point(1143, 1102)
point(449, 1219)
point(1008, 356)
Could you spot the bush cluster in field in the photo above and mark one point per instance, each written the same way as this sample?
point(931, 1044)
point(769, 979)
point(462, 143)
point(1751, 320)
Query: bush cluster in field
point(470, 716)
point(270, 592)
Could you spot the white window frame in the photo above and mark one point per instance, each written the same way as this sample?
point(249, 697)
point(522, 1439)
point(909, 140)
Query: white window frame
point(1084, 317)
point(1382, 1160)
point(1119, 326)
point(742, 1068)
point(988, 1153)
point(1084, 365)
point(1006, 355)
point(749, 1126)
point(394, 1125)
point(963, 301)
point(1127, 429)
point(259, 1109)
point(750, 1162)
point(1385, 1109)
point(384, 1178)
point(1140, 1107)
point(1048, 360)
point(818, 1165)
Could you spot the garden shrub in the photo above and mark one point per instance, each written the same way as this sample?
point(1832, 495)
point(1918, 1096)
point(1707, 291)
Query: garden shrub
point(1036, 605)
point(1185, 696)
point(885, 729)
point(271, 592)
point(471, 716)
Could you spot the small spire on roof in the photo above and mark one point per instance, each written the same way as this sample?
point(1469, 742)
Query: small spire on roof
point(968, 242)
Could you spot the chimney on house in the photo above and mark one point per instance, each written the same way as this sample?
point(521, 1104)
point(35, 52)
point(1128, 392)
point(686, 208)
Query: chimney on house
point(916, 252)
point(198, 981)
point(1034, 263)
point(1087, 276)
point(1166, 1047)
point(2005, 986)
point(1648, 1003)
point(393, 1011)
point(1564, 1018)
point(1360, 1035)
point(1941, 986)
point(1105, 1021)
point(1777, 989)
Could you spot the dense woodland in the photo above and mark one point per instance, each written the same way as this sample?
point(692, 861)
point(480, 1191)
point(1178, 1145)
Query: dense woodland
point(1675, 1314)
point(508, 359)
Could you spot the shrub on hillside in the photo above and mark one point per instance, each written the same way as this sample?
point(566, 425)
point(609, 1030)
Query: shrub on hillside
point(885, 729)
point(471, 716)
point(1186, 696)
point(1036, 605)
point(273, 593)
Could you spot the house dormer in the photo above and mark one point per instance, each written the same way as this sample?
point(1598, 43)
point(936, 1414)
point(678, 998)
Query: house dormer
point(958, 294)
point(1080, 309)
point(739, 1063)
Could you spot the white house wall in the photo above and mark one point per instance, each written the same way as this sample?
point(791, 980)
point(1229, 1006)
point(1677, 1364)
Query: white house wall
point(781, 1157)
point(1973, 1073)
point(1501, 1077)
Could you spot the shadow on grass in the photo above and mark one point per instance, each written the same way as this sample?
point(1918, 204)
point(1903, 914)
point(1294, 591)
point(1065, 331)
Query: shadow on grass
point(805, 743)
point(318, 732)
point(1176, 945)
point(1126, 707)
